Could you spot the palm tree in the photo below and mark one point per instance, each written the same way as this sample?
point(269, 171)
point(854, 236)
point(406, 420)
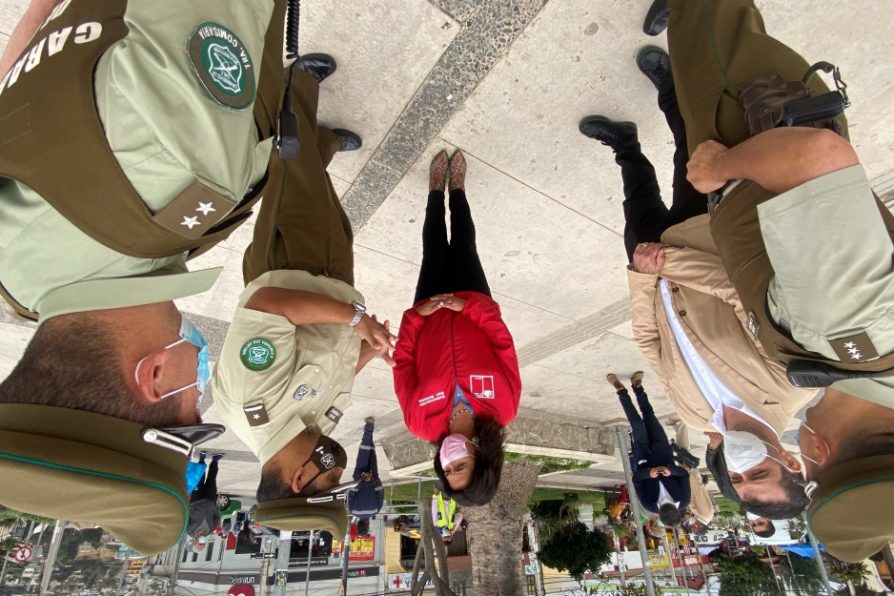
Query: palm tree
point(495, 533)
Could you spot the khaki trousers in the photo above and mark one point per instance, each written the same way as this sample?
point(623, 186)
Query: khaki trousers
point(301, 224)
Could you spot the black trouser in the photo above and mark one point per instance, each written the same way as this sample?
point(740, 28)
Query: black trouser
point(651, 448)
point(449, 266)
point(645, 214)
point(207, 488)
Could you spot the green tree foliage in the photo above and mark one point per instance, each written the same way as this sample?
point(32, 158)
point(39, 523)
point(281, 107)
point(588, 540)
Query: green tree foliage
point(847, 572)
point(11, 515)
point(802, 575)
point(745, 576)
point(552, 515)
point(91, 572)
point(575, 549)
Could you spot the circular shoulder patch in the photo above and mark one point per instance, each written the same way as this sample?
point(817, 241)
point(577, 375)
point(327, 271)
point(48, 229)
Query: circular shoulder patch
point(222, 64)
point(257, 354)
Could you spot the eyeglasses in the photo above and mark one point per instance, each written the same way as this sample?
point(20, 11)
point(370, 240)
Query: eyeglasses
point(182, 439)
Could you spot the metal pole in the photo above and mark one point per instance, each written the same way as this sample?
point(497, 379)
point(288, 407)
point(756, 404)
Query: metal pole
point(772, 566)
point(181, 546)
point(51, 556)
point(683, 567)
point(266, 548)
point(37, 547)
point(123, 573)
point(535, 548)
point(670, 558)
point(310, 550)
point(621, 438)
point(281, 573)
point(3, 571)
point(616, 542)
point(819, 560)
point(345, 553)
point(794, 577)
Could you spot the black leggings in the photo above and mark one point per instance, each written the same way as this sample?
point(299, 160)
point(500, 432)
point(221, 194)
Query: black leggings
point(645, 214)
point(449, 266)
point(207, 488)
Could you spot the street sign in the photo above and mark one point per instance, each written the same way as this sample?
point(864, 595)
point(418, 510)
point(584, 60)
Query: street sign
point(263, 556)
point(22, 554)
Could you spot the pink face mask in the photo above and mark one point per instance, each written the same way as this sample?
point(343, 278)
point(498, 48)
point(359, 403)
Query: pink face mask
point(454, 447)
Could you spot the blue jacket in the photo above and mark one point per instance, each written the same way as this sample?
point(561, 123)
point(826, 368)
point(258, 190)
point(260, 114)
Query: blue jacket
point(366, 499)
point(677, 486)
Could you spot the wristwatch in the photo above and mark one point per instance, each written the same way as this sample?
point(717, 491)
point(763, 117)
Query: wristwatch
point(359, 310)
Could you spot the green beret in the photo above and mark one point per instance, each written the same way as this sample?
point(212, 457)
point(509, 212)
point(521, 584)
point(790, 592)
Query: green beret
point(89, 468)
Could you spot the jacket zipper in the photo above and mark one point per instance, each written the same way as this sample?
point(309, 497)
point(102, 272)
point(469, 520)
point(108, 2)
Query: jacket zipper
point(453, 350)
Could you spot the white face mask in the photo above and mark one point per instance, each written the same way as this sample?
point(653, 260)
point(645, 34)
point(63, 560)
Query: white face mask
point(743, 451)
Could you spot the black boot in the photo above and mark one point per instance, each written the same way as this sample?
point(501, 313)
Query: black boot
point(654, 62)
point(319, 66)
point(348, 141)
point(657, 18)
point(608, 132)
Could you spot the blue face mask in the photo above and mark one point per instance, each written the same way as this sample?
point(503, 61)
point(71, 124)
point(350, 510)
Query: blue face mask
point(190, 333)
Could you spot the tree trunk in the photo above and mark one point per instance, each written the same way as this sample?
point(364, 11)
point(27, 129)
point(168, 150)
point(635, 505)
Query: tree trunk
point(495, 533)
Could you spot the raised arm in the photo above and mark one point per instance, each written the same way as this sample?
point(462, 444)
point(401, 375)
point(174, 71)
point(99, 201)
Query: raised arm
point(309, 308)
point(34, 17)
point(778, 159)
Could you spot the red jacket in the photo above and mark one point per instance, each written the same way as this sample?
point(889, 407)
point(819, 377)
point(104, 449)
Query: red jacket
point(472, 348)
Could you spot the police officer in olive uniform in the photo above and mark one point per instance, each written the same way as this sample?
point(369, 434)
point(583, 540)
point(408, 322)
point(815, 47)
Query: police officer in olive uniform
point(300, 332)
point(133, 136)
point(808, 247)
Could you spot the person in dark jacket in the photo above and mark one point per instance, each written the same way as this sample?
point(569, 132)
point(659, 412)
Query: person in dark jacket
point(456, 374)
point(204, 517)
point(367, 498)
point(661, 485)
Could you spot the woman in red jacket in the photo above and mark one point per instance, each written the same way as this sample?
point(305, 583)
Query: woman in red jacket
point(456, 376)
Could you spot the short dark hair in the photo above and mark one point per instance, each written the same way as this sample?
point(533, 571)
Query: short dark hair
point(72, 362)
point(771, 529)
point(861, 445)
point(796, 500)
point(488, 465)
point(272, 488)
point(670, 516)
point(363, 527)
